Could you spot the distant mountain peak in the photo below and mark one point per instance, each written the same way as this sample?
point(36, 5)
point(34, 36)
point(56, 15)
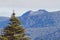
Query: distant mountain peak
point(42, 10)
point(33, 13)
point(38, 12)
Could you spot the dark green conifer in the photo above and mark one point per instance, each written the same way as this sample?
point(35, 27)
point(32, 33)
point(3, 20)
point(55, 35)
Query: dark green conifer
point(14, 31)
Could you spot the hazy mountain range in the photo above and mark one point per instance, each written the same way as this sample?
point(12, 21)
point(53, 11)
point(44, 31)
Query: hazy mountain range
point(39, 24)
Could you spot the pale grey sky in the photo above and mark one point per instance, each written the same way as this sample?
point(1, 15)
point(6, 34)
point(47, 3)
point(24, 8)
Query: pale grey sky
point(21, 6)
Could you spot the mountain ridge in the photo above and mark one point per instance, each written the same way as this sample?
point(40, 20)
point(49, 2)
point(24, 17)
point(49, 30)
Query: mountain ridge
point(42, 18)
point(43, 23)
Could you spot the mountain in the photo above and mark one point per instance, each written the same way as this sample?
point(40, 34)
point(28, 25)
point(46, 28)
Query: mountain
point(45, 33)
point(54, 36)
point(40, 18)
point(4, 21)
point(3, 18)
point(40, 24)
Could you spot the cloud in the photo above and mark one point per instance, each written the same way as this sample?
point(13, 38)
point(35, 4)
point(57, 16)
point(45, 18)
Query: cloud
point(22, 5)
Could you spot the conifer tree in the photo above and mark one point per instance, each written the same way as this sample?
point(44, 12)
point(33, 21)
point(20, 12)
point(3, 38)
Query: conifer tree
point(14, 30)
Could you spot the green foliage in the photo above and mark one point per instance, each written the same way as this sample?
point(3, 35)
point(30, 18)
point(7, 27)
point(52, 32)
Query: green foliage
point(3, 38)
point(14, 31)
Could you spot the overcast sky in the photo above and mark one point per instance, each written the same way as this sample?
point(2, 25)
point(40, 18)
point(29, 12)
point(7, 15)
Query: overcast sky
point(21, 6)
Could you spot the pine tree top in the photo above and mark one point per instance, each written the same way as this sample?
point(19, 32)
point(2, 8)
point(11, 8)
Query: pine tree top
point(14, 19)
point(13, 13)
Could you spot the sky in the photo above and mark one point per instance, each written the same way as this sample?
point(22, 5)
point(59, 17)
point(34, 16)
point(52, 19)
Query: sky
point(21, 6)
